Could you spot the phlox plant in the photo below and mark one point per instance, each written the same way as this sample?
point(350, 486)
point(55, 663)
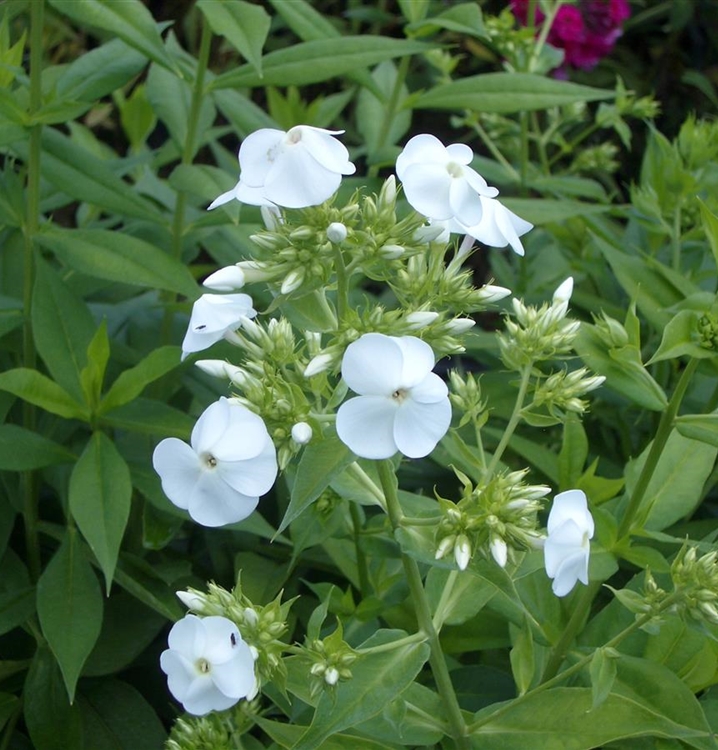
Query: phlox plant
point(358, 382)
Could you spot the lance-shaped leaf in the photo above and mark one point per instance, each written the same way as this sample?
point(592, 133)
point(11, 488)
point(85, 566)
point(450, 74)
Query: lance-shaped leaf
point(38, 389)
point(100, 499)
point(69, 605)
point(24, 450)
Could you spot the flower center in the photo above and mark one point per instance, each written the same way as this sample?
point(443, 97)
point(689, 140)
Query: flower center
point(210, 462)
point(454, 169)
point(294, 136)
point(399, 395)
point(203, 666)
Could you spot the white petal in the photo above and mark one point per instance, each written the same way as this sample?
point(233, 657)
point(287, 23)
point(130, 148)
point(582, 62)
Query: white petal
point(297, 180)
point(180, 672)
point(570, 506)
point(257, 154)
point(225, 279)
point(562, 542)
point(203, 697)
point(199, 341)
point(331, 153)
point(427, 188)
point(418, 360)
point(236, 679)
point(366, 425)
point(230, 195)
point(244, 435)
point(179, 469)
point(479, 184)
point(460, 153)
point(254, 476)
point(253, 196)
point(214, 503)
point(419, 427)
point(373, 365)
point(569, 572)
point(421, 149)
point(211, 424)
point(512, 227)
point(431, 389)
point(187, 637)
point(219, 632)
point(465, 202)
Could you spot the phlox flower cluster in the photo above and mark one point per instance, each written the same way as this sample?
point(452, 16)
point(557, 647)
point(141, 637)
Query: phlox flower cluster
point(586, 32)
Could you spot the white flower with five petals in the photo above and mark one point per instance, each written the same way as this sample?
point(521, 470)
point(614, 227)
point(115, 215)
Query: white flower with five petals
point(213, 316)
point(230, 462)
point(438, 181)
point(402, 406)
point(567, 547)
point(302, 167)
point(208, 665)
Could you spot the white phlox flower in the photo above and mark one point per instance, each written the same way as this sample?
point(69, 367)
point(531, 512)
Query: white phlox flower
point(438, 181)
point(566, 549)
point(402, 406)
point(498, 226)
point(208, 665)
point(230, 462)
point(302, 167)
point(213, 316)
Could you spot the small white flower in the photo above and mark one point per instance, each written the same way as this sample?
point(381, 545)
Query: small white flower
point(566, 550)
point(301, 433)
point(231, 462)
point(402, 406)
point(498, 226)
point(227, 279)
point(213, 316)
point(208, 665)
point(438, 181)
point(302, 167)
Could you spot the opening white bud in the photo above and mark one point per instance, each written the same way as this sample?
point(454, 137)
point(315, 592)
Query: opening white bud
point(227, 279)
point(317, 364)
point(460, 325)
point(271, 216)
point(499, 551)
point(293, 280)
point(491, 293)
point(462, 552)
point(391, 252)
point(421, 319)
point(564, 291)
point(336, 232)
point(331, 676)
point(190, 600)
point(301, 433)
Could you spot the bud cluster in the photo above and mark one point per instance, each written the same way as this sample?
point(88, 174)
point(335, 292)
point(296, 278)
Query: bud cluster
point(498, 517)
point(212, 732)
point(331, 660)
point(697, 579)
point(708, 331)
point(538, 333)
point(261, 627)
point(561, 391)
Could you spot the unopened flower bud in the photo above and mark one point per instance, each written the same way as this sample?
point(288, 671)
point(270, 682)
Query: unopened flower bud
point(292, 281)
point(564, 291)
point(435, 232)
point(331, 676)
point(387, 197)
point(317, 364)
point(499, 551)
point(391, 252)
point(462, 551)
point(336, 232)
point(191, 600)
point(458, 326)
point(421, 319)
point(444, 546)
point(272, 217)
point(490, 293)
point(227, 279)
point(301, 433)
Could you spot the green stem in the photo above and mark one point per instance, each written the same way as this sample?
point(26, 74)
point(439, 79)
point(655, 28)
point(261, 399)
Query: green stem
point(524, 165)
point(361, 557)
point(445, 595)
point(494, 150)
point(513, 421)
point(439, 669)
point(543, 34)
point(418, 637)
point(364, 480)
point(676, 238)
point(659, 443)
point(342, 285)
point(575, 623)
point(32, 222)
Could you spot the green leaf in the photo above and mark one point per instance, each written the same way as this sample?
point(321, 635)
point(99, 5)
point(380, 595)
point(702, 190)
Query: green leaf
point(623, 373)
point(171, 99)
point(574, 452)
point(9, 705)
point(117, 717)
point(100, 72)
point(321, 461)
point(132, 382)
point(703, 427)
point(69, 605)
point(16, 607)
point(24, 450)
point(93, 373)
point(142, 581)
point(79, 174)
point(243, 24)
point(467, 597)
point(377, 678)
point(62, 328)
point(129, 20)
point(150, 417)
point(319, 60)
point(710, 227)
point(53, 724)
point(541, 211)
point(11, 316)
point(522, 656)
point(505, 93)
point(464, 18)
point(119, 257)
point(100, 499)
point(603, 674)
point(38, 389)
point(676, 487)
point(681, 337)
point(414, 10)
